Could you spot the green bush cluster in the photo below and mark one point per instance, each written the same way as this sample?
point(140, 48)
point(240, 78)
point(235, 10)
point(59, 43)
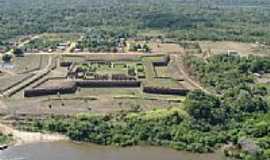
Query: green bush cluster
point(139, 47)
point(125, 129)
point(4, 139)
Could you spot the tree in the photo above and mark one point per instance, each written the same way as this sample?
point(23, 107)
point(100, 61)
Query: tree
point(133, 47)
point(146, 48)
point(204, 107)
point(7, 58)
point(250, 103)
point(131, 71)
point(18, 52)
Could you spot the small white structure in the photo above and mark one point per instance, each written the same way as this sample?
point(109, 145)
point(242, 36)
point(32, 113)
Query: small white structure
point(233, 53)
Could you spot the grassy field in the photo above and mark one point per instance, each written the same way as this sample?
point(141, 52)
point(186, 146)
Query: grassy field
point(30, 63)
point(102, 57)
point(166, 83)
point(9, 80)
point(94, 100)
point(149, 68)
point(158, 71)
point(119, 67)
point(162, 71)
point(243, 49)
point(115, 68)
point(165, 48)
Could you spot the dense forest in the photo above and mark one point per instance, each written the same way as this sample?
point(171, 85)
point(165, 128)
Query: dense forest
point(243, 20)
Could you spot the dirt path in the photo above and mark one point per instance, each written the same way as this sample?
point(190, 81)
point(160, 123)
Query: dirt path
point(8, 72)
point(185, 75)
point(71, 47)
point(28, 41)
point(24, 43)
point(21, 137)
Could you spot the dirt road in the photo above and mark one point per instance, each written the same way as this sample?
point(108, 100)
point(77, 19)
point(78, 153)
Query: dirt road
point(180, 68)
point(23, 43)
point(28, 41)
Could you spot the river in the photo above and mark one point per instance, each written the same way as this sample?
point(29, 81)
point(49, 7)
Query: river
point(72, 151)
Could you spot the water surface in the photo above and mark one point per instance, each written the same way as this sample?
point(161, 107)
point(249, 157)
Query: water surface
point(72, 151)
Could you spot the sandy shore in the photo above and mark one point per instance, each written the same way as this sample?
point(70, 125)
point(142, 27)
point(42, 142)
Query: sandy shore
point(22, 137)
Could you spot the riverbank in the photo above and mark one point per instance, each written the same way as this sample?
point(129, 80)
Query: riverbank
point(22, 137)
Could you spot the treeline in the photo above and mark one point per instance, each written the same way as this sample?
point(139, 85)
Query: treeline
point(193, 20)
point(167, 127)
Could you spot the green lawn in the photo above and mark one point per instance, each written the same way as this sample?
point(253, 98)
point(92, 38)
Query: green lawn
point(167, 83)
point(162, 71)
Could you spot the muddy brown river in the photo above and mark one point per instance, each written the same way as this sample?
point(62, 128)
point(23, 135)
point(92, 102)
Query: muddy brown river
point(72, 151)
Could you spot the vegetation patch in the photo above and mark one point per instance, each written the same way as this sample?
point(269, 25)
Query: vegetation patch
point(160, 127)
point(5, 139)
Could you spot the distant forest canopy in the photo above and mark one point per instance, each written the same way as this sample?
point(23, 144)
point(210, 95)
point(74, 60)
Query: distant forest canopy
point(240, 20)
